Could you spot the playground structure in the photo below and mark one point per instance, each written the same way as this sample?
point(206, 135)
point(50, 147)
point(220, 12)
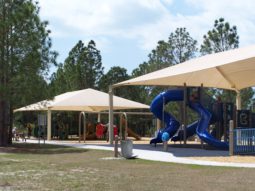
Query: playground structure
point(199, 127)
point(219, 115)
point(101, 130)
point(87, 100)
point(229, 70)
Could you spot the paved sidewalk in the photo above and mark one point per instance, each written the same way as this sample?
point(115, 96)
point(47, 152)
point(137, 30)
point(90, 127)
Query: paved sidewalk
point(175, 155)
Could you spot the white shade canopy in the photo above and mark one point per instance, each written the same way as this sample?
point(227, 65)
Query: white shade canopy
point(233, 70)
point(89, 100)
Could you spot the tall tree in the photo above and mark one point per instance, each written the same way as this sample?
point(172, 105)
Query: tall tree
point(221, 38)
point(58, 83)
point(179, 48)
point(82, 69)
point(182, 46)
point(114, 75)
point(24, 58)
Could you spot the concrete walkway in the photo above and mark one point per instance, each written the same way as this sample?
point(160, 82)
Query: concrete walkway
point(175, 155)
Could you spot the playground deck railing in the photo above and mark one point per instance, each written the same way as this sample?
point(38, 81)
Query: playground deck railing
point(244, 141)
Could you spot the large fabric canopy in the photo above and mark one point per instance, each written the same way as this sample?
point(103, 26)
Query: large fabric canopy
point(89, 100)
point(233, 69)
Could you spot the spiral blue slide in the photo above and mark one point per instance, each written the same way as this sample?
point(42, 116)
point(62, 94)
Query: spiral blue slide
point(172, 125)
point(203, 124)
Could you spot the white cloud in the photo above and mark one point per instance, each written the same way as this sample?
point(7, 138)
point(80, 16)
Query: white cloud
point(146, 21)
point(236, 12)
point(102, 18)
point(83, 16)
point(168, 2)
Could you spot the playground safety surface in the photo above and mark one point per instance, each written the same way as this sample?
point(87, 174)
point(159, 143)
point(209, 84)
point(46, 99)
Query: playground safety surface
point(193, 153)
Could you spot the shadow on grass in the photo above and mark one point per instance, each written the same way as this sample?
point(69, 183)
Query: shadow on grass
point(30, 148)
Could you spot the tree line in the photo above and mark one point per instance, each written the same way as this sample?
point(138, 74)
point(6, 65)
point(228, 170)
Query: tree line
point(26, 55)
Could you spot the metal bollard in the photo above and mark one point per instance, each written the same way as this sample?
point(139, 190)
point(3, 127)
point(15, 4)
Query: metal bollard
point(231, 138)
point(116, 146)
point(165, 146)
point(202, 143)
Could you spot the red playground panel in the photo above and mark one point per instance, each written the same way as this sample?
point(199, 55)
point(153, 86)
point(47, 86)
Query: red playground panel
point(100, 131)
point(115, 130)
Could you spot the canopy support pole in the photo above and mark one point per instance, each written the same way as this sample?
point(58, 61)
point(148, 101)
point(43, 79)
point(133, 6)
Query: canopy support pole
point(120, 130)
point(163, 114)
point(201, 100)
point(158, 124)
point(84, 126)
point(126, 126)
point(185, 114)
point(49, 125)
point(238, 100)
point(110, 129)
point(99, 117)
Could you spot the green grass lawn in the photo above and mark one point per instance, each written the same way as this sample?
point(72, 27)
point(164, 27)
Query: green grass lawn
point(48, 167)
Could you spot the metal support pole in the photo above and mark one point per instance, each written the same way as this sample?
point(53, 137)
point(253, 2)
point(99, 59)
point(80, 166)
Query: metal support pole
point(99, 117)
point(165, 145)
point(158, 124)
point(163, 114)
point(82, 114)
point(182, 129)
point(110, 129)
point(126, 125)
point(49, 125)
point(185, 114)
point(201, 99)
point(201, 92)
point(238, 100)
point(121, 129)
point(84, 127)
point(225, 121)
point(235, 116)
point(116, 146)
point(238, 107)
point(231, 138)
point(80, 128)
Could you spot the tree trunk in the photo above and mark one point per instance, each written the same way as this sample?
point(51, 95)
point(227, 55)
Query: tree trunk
point(10, 125)
point(3, 125)
point(3, 76)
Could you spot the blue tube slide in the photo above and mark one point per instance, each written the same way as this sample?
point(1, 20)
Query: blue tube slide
point(156, 108)
point(191, 130)
point(172, 125)
point(203, 124)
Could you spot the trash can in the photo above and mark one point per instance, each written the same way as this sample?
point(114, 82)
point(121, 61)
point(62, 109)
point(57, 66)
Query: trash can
point(126, 148)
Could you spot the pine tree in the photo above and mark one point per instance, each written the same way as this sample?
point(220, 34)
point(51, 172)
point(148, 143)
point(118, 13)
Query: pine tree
point(179, 48)
point(221, 38)
point(24, 58)
point(81, 69)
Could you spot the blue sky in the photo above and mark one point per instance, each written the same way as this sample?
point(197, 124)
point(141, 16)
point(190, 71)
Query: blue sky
point(126, 31)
